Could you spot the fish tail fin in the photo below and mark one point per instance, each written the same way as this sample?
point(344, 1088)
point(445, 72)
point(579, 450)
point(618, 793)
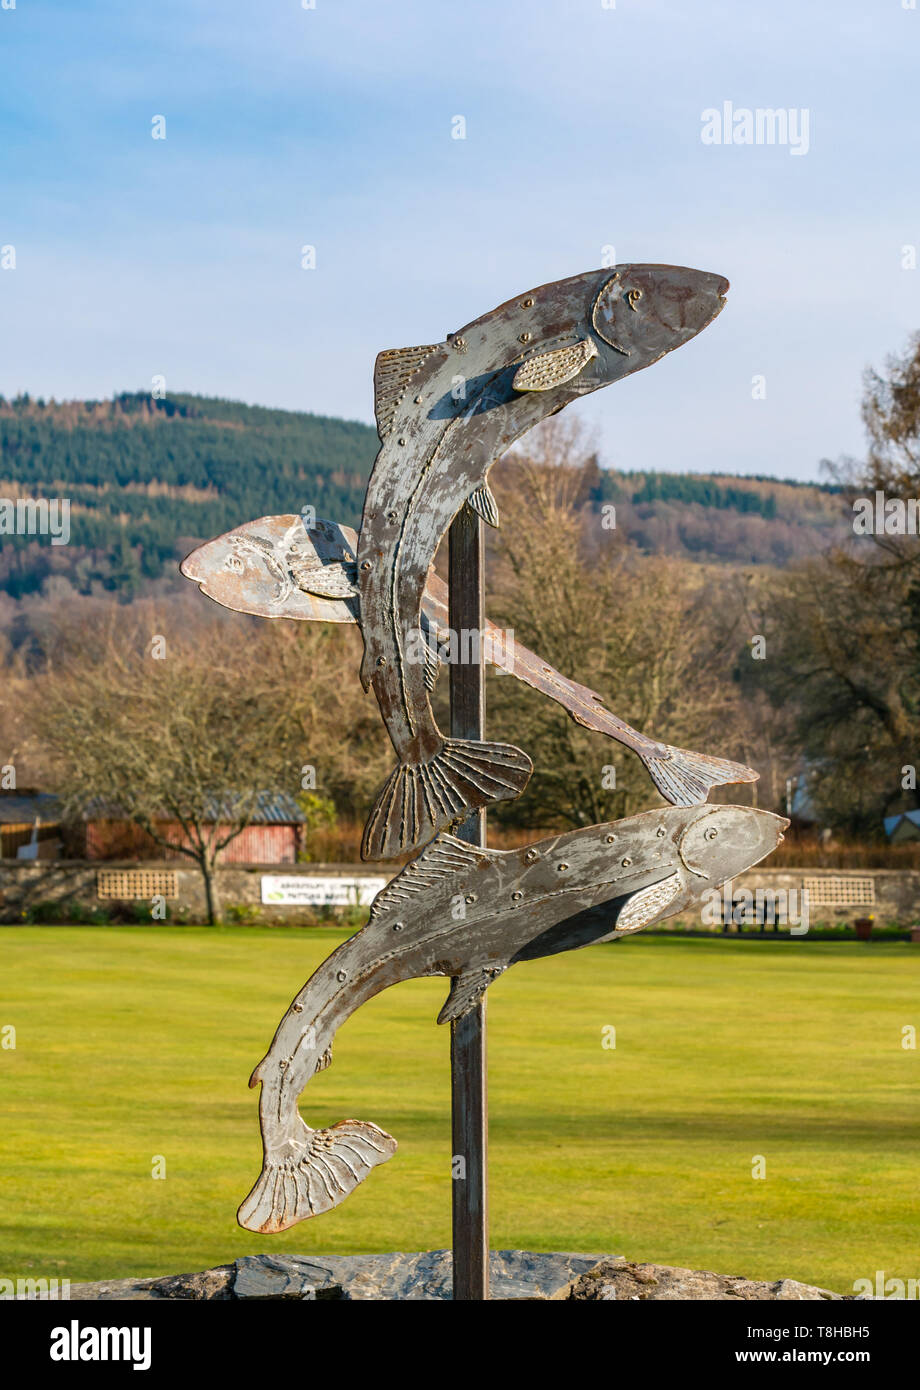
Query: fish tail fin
point(317, 1171)
point(686, 779)
point(418, 800)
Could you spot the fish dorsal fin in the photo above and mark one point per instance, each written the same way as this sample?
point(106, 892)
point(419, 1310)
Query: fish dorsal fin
point(444, 857)
point(466, 990)
point(483, 502)
point(393, 371)
point(549, 369)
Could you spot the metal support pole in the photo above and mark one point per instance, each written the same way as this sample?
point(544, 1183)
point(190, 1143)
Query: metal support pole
point(469, 1095)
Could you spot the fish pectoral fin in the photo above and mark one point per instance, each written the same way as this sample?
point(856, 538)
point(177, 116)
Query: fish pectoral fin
point(337, 580)
point(646, 906)
point(482, 500)
point(466, 990)
point(549, 369)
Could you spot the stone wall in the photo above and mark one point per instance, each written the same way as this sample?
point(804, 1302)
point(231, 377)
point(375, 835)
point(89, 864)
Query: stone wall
point(890, 895)
point(838, 895)
point(25, 884)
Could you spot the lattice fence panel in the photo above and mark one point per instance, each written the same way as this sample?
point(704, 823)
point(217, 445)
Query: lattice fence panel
point(840, 892)
point(131, 885)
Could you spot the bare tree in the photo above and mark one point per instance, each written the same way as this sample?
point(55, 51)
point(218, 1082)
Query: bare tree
point(891, 415)
point(161, 729)
point(845, 629)
point(637, 630)
point(843, 659)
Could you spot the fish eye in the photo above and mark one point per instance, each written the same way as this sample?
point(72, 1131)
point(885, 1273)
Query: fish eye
point(632, 296)
point(604, 312)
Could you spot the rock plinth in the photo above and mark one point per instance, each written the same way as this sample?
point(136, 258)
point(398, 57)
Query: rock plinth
point(515, 1274)
point(613, 1280)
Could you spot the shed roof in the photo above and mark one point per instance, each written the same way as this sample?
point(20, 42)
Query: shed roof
point(272, 808)
point(892, 823)
point(18, 809)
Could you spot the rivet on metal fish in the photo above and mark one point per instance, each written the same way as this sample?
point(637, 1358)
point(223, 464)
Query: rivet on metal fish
point(567, 891)
point(445, 412)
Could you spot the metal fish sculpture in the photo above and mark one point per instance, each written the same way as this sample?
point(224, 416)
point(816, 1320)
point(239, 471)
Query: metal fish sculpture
point(277, 567)
point(471, 913)
point(444, 413)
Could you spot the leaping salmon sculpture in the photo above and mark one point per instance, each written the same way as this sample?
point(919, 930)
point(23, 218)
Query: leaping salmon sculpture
point(567, 891)
point(444, 413)
point(280, 567)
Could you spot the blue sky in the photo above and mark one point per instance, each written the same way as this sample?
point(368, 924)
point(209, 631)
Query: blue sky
point(331, 127)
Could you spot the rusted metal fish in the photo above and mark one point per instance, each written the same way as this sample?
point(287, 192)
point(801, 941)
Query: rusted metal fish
point(471, 913)
point(444, 413)
point(278, 568)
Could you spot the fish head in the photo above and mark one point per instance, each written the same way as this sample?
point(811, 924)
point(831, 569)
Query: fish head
point(642, 312)
point(723, 841)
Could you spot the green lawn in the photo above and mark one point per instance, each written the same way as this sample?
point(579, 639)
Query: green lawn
point(134, 1042)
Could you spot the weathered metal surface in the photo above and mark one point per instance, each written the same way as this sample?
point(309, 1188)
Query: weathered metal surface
point(468, 1075)
point(558, 894)
point(682, 777)
point(445, 412)
point(277, 567)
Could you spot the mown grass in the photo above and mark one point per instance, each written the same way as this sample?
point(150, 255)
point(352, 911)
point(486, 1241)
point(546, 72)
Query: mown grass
point(134, 1043)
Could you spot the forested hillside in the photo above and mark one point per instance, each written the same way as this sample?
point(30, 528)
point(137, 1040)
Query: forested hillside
point(748, 521)
point(737, 615)
point(148, 478)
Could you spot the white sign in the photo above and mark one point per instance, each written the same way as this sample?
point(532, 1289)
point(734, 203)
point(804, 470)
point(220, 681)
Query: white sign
point(305, 890)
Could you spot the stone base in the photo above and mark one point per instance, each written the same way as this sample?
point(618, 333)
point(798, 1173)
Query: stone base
point(620, 1279)
point(515, 1274)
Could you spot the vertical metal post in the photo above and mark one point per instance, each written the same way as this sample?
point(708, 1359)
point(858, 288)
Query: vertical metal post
point(468, 1089)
